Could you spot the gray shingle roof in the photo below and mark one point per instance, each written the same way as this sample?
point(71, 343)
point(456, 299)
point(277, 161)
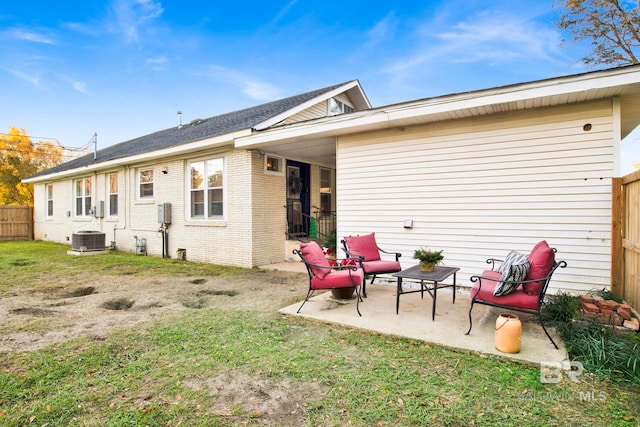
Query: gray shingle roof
point(201, 129)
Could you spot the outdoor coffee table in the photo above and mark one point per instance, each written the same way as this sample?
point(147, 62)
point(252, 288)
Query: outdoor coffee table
point(434, 278)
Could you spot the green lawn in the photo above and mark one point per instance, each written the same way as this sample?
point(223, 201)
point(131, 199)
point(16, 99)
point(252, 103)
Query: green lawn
point(205, 367)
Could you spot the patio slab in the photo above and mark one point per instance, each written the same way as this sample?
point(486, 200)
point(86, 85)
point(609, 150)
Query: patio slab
point(448, 329)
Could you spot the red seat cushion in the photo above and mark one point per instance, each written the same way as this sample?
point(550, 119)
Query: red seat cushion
point(312, 253)
point(516, 299)
point(365, 246)
point(381, 266)
point(541, 259)
point(339, 279)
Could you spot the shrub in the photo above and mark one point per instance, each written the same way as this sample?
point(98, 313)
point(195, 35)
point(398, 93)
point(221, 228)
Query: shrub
point(600, 347)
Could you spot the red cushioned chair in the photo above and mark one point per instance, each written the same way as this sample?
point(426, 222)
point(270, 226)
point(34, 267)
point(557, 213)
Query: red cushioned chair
point(528, 296)
point(366, 251)
point(324, 276)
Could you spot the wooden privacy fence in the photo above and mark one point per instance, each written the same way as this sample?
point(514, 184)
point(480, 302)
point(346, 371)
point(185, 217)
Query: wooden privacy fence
point(16, 222)
point(625, 239)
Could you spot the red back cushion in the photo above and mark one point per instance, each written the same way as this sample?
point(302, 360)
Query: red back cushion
point(312, 253)
point(363, 245)
point(541, 259)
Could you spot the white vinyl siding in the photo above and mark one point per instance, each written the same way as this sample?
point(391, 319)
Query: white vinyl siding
point(479, 188)
point(314, 112)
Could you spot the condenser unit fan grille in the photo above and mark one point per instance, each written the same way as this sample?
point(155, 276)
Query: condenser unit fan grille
point(87, 241)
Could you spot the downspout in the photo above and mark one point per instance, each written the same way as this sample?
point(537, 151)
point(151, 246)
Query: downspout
point(126, 197)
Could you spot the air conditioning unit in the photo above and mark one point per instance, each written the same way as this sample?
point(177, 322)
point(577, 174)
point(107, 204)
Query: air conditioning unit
point(87, 240)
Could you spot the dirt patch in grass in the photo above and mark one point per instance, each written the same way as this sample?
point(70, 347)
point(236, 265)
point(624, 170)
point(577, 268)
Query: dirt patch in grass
point(267, 401)
point(118, 304)
point(33, 311)
point(79, 292)
point(92, 305)
point(229, 293)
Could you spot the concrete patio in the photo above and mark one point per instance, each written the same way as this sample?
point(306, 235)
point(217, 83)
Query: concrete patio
point(414, 319)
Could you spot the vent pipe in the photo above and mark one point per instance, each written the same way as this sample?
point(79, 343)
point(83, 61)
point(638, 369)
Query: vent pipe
point(179, 119)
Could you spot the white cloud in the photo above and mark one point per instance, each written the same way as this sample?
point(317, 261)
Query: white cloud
point(249, 85)
point(158, 62)
point(283, 12)
point(29, 78)
point(492, 38)
point(383, 29)
point(80, 86)
point(132, 15)
point(30, 36)
point(501, 37)
point(259, 90)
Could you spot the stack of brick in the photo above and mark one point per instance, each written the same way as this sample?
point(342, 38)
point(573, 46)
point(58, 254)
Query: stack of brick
point(608, 311)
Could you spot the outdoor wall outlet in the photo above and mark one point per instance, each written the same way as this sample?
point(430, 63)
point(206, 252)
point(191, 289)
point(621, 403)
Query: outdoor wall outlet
point(408, 223)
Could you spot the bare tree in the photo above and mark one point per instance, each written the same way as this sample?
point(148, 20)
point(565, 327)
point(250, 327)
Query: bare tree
point(611, 26)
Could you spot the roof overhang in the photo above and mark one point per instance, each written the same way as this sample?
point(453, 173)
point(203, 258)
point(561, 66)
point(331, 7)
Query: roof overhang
point(203, 144)
point(623, 83)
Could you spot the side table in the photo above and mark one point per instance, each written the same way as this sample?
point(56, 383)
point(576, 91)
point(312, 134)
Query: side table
point(433, 278)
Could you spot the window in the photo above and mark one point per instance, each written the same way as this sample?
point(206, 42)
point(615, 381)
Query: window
point(113, 194)
point(145, 183)
point(273, 164)
point(49, 192)
point(83, 196)
point(335, 107)
point(206, 188)
point(325, 189)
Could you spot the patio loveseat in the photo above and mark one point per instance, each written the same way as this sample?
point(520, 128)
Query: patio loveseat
point(518, 283)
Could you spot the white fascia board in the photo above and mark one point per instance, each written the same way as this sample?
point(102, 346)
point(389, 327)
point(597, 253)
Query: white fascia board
point(330, 126)
point(282, 116)
point(386, 116)
point(202, 144)
point(527, 91)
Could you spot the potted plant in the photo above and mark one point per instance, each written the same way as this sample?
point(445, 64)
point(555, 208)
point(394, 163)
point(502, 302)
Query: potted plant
point(428, 258)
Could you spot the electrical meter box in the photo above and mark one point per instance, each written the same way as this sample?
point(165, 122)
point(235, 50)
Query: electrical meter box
point(164, 213)
point(99, 213)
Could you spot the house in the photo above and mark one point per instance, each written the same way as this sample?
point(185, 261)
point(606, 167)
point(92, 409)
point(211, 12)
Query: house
point(219, 203)
point(480, 173)
point(476, 174)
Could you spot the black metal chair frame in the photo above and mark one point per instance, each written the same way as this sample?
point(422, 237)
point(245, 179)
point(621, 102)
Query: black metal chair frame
point(336, 267)
point(361, 261)
point(541, 295)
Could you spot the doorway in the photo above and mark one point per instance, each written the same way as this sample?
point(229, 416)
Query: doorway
point(298, 199)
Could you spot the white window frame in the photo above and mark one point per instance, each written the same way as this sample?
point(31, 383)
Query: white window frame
point(110, 194)
point(205, 189)
point(326, 191)
point(140, 183)
point(80, 194)
point(48, 191)
point(336, 106)
point(274, 164)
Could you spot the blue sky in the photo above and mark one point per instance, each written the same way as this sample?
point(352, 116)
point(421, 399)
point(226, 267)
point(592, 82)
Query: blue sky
point(123, 68)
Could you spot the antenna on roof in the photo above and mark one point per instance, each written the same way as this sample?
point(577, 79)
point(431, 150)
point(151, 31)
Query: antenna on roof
point(95, 145)
point(179, 119)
